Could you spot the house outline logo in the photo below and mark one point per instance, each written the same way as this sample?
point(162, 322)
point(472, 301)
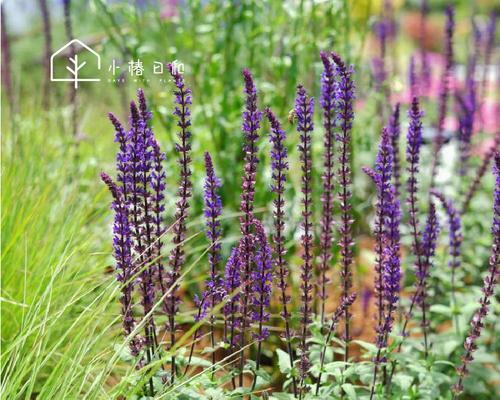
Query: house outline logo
point(76, 66)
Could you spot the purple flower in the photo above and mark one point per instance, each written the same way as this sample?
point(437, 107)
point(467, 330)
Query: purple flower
point(158, 186)
point(454, 228)
point(394, 129)
point(177, 255)
point(304, 109)
point(467, 110)
point(250, 126)
point(232, 282)
point(382, 176)
point(429, 239)
point(412, 79)
point(344, 104)
point(328, 89)
point(414, 143)
point(279, 167)
point(262, 277)
point(122, 246)
point(142, 182)
point(213, 211)
point(489, 286)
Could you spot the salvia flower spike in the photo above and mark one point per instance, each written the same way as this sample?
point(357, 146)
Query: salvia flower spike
point(177, 256)
point(490, 282)
point(262, 277)
point(250, 127)
point(122, 246)
point(279, 167)
point(138, 196)
point(413, 147)
point(304, 109)
point(213, 211)
point(328, 88)
point(429, 239)
point(395, 133)
point(344, 103)
point(455, 240)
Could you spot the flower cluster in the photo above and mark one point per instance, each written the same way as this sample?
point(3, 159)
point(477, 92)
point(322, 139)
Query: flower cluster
point(344, 104)
point(489, 286)
point(328, 89)
point(304, 108)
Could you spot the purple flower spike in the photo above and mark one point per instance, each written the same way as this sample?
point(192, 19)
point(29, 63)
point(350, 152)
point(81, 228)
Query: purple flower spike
point(213, 211)
point(279, 165)
point(232, 281)
point(122, 245)
point(250, 127)
point(444, 90)
point(382, 177)
point(158, 186)
point(328, 89)
point(304, 109)
point(344, 104)
point(454, 235)
point(490, 282)
point(414, 143)
point(262, 278)
point(395, 132)
point(429, 239)
point(177, 255)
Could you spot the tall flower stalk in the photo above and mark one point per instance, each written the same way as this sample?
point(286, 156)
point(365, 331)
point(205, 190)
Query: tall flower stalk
point(414, 143)
point(455, 242)
point(141, 181)
point(177, 255)
point(429, 239)
point(344, 103)
point(382, 177)
point(122, 246)
point(304, 109)
point(250, 126)
point(328, 88)
point(394, 128)
point(490, 282)
point(279, 167)
point(213, 211)
point(444, 90)
point(481, 170)
point(262, 278)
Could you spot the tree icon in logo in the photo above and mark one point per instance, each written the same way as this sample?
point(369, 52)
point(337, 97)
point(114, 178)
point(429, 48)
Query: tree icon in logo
point(75, 64)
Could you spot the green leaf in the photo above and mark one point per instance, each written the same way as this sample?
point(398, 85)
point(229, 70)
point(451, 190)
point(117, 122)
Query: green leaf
point(349, 391)
point(283, 361)
point(403, 381)
point(367, 346)
point(441, 309)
